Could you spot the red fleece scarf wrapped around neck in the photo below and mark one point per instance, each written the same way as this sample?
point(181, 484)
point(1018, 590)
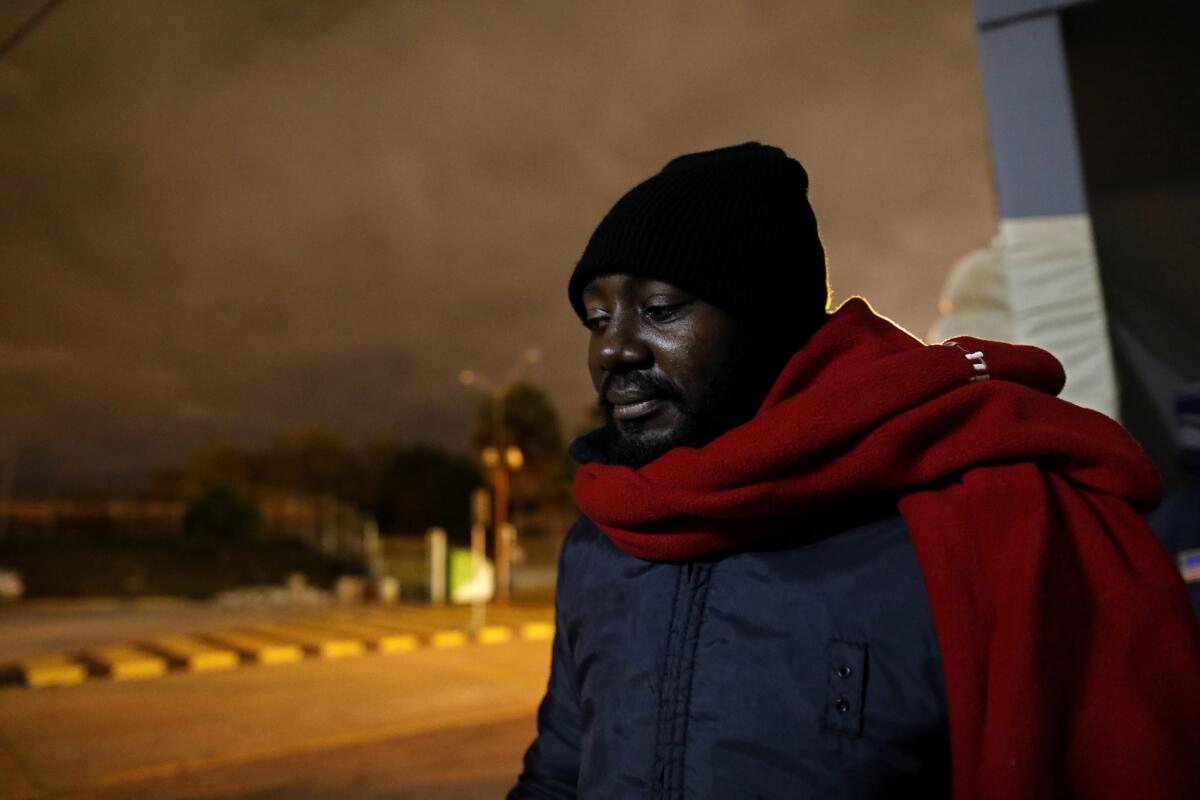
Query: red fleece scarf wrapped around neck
point(1071, 657)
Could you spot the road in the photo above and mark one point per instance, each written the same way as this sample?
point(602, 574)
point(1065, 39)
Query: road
point(428, 723)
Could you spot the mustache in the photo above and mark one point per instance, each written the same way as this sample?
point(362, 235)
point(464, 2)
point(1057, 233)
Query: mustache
point(648, 383)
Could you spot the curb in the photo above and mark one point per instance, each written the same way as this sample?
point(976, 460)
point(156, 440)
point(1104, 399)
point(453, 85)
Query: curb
point(326, 635)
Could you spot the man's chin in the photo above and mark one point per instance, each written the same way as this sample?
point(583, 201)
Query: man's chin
point(638, 448)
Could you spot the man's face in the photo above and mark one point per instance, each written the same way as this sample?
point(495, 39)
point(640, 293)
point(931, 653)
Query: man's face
point(670, 369)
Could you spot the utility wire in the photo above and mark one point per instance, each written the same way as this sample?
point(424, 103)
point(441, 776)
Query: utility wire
point(28, 27)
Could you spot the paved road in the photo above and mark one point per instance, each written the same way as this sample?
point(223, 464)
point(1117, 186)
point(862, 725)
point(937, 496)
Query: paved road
point(425, 767)
point(422, 724)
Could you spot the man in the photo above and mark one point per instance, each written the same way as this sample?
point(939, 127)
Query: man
point(1177, 521)
point(821, 559)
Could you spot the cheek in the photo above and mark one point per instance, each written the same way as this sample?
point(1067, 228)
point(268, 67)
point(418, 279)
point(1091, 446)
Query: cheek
point(699, 364)
point(593, 363)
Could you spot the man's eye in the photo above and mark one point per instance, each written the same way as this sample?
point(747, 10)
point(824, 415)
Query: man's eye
point(663, 313)
point(595, 322)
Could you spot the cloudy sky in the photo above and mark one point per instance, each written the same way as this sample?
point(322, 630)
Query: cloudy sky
point(227, 218)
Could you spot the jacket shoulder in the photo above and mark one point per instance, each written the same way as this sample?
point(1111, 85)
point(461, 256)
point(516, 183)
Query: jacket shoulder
point(587, 556)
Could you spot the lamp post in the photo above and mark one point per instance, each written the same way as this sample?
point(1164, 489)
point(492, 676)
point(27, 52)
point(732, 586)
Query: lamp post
point(501, 458)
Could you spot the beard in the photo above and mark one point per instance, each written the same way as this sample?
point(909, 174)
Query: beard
point(732, 399)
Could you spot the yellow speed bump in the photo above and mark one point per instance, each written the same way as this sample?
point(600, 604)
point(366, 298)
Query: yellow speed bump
point(124, 662)
point(454, 623)
point(537, 631)
point(458, 619)
point(435, 634)
point(533, 623)
point(380, 639)
point(195, 655)
point(319, 641)
point(52, 671)
point(256, 647)
point(448, 626)
point(494, 634)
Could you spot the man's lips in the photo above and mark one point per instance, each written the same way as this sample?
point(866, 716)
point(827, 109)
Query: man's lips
point(635, 409)
point(630, 403)
point(632, 400)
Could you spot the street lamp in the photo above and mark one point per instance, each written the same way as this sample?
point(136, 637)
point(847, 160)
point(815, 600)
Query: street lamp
point(501, 459)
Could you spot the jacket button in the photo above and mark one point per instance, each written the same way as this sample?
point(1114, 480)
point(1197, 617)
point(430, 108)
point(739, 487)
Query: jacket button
point(842, 705)
point(844, 671)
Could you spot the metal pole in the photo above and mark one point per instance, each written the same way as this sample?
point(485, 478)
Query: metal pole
point(499, 525)
point(478, 561)
point(435, 546)
point(500, 477)
point(500, 481)
point(372, 549)
point(508, 534)
point(498, 418)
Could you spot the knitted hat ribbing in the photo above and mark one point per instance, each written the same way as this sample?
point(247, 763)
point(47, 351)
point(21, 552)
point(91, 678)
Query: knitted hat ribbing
point(732, 226)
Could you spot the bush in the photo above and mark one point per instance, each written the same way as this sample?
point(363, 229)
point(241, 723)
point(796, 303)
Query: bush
point(223, 513)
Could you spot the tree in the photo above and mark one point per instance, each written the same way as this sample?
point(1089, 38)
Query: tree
point(421, 486)
point(314, 462)
point(219, 464)
point(223, 513)
point(306, 461)
point(407, 488)
point(531, 422)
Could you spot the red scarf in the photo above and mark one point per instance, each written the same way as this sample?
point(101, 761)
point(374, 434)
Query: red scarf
point(1071, 656)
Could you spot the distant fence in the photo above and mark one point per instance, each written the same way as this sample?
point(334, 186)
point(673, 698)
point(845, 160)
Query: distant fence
point(70, 518)
point(406, 558)
point(320, 522)
point(323, 523)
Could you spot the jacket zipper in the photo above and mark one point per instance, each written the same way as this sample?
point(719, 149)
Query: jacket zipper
point(675, 696)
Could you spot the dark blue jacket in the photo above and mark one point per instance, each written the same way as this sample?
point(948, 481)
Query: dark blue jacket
point(1177, 524)
point(796, 672)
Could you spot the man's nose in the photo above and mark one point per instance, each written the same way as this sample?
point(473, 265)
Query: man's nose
point(622, 345)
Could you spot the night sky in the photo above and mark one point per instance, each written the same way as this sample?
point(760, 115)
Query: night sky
point(222, 219)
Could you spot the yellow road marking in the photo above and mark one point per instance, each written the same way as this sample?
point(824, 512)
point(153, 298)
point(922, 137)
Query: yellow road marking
point(534, 623)
point(380, 639)
point(324, 643)
point(124, 662)
point(510, 616)
point(494, 634)
point(537, 631)
point(435, 635)
point(195, 655)
point(54, 670)
point(336, 635)
point(261, 649)
point(444, 639)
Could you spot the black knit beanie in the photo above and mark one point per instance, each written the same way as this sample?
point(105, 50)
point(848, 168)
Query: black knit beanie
point(732, 226)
